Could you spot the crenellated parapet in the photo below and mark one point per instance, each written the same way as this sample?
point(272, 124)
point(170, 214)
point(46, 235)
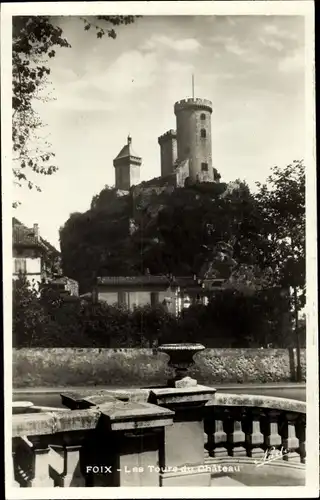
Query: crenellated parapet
point(169, 135)
point(202, 104)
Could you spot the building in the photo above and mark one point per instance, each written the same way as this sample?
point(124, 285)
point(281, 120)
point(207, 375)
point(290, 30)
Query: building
point(173, 293)
point(127, 167)
point(135, 291)
point(194, 137)
point(185, 153)
point(32, 255)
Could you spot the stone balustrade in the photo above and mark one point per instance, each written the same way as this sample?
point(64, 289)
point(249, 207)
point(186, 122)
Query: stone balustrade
point(157, 437)
point(255, 429)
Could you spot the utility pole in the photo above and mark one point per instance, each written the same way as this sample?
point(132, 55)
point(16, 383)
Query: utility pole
point(297, 333)
point(296, 324)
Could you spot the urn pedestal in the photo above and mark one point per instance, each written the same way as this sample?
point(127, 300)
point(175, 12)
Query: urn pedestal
point(183, 459)
point(181, 359)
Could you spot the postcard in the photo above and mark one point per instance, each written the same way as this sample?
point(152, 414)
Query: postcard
point(159, 249)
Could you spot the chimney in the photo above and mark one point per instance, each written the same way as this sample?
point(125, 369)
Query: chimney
point(36, 231)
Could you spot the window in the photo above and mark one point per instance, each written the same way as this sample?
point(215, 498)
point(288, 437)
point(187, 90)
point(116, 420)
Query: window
point(154, 298)
point(203, 133)
point(202, 116)
point(20, 266)
point(204, 167)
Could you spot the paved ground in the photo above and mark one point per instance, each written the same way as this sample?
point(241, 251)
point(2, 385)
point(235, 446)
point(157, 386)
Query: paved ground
point(252, 479)
point(51, 396)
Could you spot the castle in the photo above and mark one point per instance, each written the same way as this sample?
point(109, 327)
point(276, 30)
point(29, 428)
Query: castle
point(186, 153)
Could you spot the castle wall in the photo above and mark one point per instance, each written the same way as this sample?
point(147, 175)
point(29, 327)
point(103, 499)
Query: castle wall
point(134, 175)
point(193, 121)
point(182, 173)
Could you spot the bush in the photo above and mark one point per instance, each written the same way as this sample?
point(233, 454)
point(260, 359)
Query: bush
point(55, 321)
point(231, 319)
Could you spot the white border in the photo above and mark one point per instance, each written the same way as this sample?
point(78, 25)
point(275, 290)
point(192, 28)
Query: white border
point(304, 8)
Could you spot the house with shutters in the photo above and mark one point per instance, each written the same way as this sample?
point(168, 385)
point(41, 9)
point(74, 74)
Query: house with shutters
point(135, 291)
point(32, 255)
point(173, 293)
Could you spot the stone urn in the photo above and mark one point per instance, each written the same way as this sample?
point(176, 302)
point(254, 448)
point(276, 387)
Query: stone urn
point(181, 359)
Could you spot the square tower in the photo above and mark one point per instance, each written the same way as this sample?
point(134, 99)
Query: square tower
point(127, 167)
point(168, 152)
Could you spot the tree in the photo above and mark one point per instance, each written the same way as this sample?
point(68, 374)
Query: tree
point(97, 243)
point(202, 229)
point(34, 39)
point(150, 325)
point(28, 316)
point(282, 201)
point(34, 42)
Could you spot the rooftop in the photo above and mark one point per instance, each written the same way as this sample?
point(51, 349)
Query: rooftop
point(127, 151)
point(22, 235)
point(29, 237)
point(134, 280)
point(149, 279)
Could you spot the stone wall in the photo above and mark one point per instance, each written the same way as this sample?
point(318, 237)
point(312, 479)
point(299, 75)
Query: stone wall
point(182, 173)
point(140, 367)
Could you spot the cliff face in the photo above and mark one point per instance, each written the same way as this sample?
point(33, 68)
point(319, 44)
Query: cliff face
point(156, 225)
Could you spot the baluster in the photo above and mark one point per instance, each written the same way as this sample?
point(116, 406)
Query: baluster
point(40, 465)
point(235, 435)
point(219, 440)
point(65, 468)
point(208, 431)
point(24, 465)
point(206, 445)
point(41, 468)
point(15, 483)
point(254, 436)
point(301, 434)
point(216, 436)
point(290, 441)
point(72, 475)
point(272, 437)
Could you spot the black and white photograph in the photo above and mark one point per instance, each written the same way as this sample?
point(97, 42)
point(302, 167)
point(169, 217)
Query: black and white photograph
point(159, 255)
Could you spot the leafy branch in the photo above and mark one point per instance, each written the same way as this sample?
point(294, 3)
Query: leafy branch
point(35, 40)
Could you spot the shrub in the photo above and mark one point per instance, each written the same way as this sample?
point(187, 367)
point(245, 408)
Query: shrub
point(231, 319)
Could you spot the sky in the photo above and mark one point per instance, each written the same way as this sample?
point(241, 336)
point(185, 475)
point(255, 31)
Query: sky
point(251, 68)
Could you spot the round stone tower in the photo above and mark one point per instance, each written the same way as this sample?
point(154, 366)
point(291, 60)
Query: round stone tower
point(194, 137)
